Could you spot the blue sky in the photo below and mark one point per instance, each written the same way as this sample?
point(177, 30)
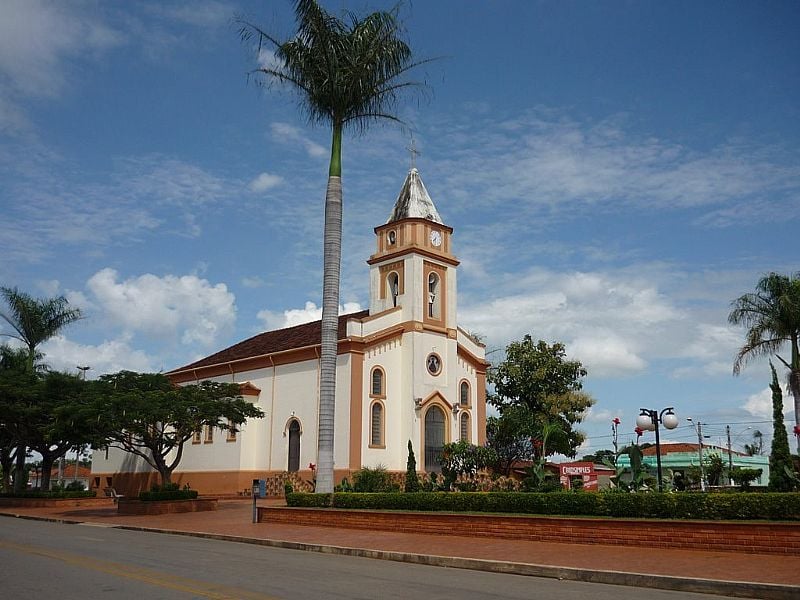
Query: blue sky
point(616, 173)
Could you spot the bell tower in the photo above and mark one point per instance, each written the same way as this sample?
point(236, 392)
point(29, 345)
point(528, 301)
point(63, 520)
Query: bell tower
point(413, 267)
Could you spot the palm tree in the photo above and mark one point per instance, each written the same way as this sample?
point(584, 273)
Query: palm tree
point(346, 74)
point(772, 316)
point(34, 321)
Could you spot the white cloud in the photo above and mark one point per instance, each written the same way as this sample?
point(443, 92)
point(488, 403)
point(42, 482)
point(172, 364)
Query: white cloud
point(108, 357)
point(546, 166)
point(760, 403)
point(286, 133)
point(142, 195)
point(298, 316)
point(265, 181)
point(37, 38)
point(186, 307)
point(606, 320)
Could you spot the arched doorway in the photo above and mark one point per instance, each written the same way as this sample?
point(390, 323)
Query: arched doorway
point(434, 438)
point(294, 446)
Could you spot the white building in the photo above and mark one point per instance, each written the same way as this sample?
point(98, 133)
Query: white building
point(406, 371)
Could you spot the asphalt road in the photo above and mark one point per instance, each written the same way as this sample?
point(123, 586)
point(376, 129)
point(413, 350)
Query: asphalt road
point(52, 560)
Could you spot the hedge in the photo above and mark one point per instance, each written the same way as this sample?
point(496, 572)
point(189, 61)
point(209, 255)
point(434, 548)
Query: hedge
point(153, 496)
point(56, 494)
point(679, 505)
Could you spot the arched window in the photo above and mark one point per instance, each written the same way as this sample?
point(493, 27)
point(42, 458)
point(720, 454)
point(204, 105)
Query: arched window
point(464, 427)
point(294, 446)
point(394, 286)
point(464, 393)
point(434, 438)
point(377, 383)
point(376, 425)
point(433, 295)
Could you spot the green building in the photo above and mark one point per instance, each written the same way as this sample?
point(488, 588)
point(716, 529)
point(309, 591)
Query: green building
point(680, 457)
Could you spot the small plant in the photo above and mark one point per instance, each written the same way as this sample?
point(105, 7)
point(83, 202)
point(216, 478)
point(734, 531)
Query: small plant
point(373, 480)
point(344, 486)
point(313, 482)
point(288, 488)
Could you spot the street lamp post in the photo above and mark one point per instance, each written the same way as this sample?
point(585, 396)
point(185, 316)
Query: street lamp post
point(649, 419)
point(77, 448)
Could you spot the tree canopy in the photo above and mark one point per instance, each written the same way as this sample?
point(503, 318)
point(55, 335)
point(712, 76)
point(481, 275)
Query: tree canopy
point(772, 317)
point(539, 390)
point(147, 415)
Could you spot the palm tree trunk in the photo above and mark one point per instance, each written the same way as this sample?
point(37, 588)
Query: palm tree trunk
point(332, 258)
point(794, 384)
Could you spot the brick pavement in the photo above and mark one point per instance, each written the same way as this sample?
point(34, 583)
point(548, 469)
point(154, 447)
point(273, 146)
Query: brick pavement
point(234, 519)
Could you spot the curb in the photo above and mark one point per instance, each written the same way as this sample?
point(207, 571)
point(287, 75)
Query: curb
point(735, 589)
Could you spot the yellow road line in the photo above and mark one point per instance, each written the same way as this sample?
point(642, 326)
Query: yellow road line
point(213, 591)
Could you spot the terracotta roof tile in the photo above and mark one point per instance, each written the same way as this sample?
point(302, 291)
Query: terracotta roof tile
point(683, 447)
point(270, 342)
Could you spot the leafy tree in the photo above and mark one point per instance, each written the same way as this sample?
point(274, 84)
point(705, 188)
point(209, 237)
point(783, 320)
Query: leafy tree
point(60, 418)
point(34, 321)
point(463, 458)
point(148, 416)
point(509, 435)
point(16, 396)
point(539, 378)
point(780, 458)
point(757, 447)
point(714, 468)
point(600, 456)
point(347, 73)
point(745, 476)
point(772, 316)
point(412, 478)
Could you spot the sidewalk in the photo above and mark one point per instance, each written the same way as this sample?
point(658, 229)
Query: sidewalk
point(725, 573)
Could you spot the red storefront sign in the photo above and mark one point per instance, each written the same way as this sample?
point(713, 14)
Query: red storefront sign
point(584, 470)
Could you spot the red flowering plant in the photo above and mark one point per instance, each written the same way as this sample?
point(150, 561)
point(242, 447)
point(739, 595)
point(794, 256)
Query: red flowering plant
point(313, 482)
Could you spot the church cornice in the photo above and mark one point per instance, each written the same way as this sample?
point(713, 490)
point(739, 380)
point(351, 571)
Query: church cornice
point(414, 249)
point(394, 224)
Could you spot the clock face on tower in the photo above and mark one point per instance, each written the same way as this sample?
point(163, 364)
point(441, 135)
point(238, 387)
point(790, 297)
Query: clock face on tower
point(436, 238)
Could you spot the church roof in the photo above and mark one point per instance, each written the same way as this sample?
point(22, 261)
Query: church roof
point(414, 201)
point(270, 342)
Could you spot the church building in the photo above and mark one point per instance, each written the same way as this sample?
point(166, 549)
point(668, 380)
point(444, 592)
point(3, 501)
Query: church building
point(405, 371)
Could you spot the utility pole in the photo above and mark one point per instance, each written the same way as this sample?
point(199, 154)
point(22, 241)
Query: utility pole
point(730, 456)
point(700, 452)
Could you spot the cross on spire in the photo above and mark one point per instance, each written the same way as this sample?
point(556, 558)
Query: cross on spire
point(414, 152)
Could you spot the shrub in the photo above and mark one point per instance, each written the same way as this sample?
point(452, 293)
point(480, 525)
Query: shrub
point(306, 500)
point(373, 480)
point(60, 493)
point(169, 491)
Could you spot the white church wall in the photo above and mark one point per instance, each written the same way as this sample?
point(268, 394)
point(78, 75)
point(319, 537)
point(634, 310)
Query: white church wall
point(389, 357)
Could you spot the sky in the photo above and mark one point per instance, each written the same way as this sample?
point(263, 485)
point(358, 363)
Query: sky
point(616, 173)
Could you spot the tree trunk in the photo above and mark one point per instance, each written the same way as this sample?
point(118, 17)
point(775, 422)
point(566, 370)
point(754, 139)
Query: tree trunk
point(19, 469)
point(6, 464)
point(47, 468)
point(794, 386)
point(332, 256)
